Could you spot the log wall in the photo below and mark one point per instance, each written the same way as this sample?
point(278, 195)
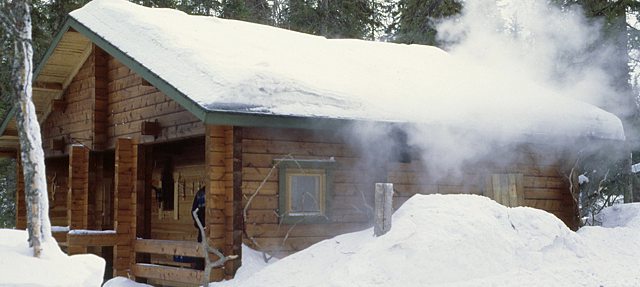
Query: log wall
point(75, 122)
point(131, 101)
point(353, 186)
point(354, 177)
point(106, 101)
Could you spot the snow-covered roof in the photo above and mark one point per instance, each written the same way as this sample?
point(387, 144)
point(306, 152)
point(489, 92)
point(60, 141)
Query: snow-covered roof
point(227, 66)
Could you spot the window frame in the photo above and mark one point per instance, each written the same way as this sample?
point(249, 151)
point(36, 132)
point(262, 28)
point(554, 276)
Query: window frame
point(286, 170)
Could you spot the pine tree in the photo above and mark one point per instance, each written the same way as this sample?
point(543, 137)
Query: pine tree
point(7, 193)
point(416, 20)
point(257, 11)
point(332, 19)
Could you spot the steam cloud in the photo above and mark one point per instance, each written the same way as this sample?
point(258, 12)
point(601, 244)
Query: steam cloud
point(515, 64)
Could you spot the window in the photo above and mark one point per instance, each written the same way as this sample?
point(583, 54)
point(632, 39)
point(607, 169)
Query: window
point(304, 186)
point(506, 189)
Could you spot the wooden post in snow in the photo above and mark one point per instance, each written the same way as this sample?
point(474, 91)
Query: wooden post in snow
point(383, 208)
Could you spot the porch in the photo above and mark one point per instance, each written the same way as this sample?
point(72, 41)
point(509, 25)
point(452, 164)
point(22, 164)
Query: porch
point(132, 205)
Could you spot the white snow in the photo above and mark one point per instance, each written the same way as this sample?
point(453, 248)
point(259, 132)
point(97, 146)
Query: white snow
point(436, 240)
point(60, 228)
point(123, 282)
point(234, 66)
point(18, 267)
point(468, 240)
point(583, 179)
point(252, 262)
point(87, 232)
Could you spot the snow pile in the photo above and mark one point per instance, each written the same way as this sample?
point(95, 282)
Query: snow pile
point(623, 215)
point(123, 282)
point(252, 262)
point(467, 240)
point(18, 267)
point(250, 68)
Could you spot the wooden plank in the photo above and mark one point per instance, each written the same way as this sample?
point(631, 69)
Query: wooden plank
point(92, 239)
point(302, 230)
point(519, 186)
point(175, 274)
point(47, 86)
point(538, 193)
point(169, 247)
point(512, 190)
point(296, 148)
point(61, 237)
point(78, 197)
point(125, 203)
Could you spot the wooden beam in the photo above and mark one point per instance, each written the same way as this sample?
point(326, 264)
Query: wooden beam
point(169, 247)
point(78, 194)
point(47, 87)
point(92, 239)
point(126, 162)
point(175, 274)
point(78, 66)
point(233, 142)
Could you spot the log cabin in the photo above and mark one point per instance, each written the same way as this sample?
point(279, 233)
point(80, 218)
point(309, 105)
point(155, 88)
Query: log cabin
point(287, 133)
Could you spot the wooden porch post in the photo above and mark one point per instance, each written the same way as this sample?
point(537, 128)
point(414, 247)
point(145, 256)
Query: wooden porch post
point(125, 205)
point(78, 192)
point(216, 217)
point(21, 206)
point(233, 191)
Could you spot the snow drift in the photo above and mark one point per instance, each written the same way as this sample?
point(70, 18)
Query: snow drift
point(468, 240)
point(18, 267)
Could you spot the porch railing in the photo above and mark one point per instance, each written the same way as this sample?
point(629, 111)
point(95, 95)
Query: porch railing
point(166, 272)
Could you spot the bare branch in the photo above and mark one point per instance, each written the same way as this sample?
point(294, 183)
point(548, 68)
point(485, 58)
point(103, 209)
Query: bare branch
point(208, 249)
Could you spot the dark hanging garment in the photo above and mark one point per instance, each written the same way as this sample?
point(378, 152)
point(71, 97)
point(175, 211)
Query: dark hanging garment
point(200, 204)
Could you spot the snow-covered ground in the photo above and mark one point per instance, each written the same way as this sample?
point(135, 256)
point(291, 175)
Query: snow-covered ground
point(436, 240)
point(466, 240)
point(18, 267)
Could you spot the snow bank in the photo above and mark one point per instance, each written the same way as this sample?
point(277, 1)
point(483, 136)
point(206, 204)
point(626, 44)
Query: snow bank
point(18, 267)
point(622, 215)
point(123, 282)
point(252, 262)
point(467, 240)
point(256, 69)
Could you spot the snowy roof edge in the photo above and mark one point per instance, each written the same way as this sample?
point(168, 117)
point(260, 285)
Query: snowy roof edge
point(205, 114)
point(208, 116)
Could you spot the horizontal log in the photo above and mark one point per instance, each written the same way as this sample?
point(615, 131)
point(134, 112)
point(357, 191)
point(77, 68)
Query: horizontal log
point(302, 230)
point(92, 239)
point(169, 247)
point(61, 237)
point(175, 274)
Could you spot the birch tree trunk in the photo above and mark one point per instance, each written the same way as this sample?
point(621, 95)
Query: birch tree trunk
point(16, 18)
